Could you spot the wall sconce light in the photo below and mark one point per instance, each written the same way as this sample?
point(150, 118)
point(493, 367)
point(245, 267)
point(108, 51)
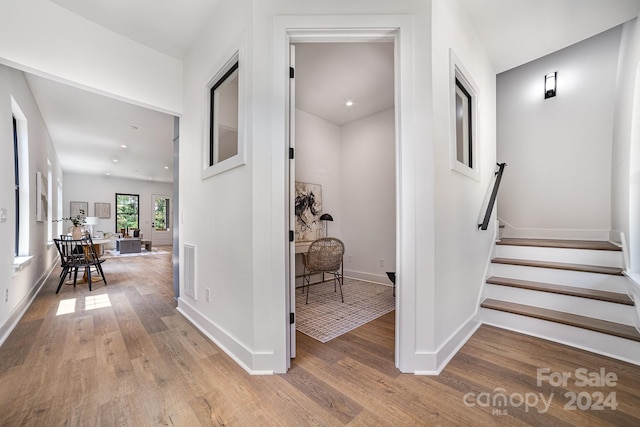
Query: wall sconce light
point(326, 217)
point(550, 85)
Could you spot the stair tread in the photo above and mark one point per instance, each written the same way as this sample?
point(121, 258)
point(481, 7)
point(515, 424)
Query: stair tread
point(560, 266)
point(599, 245)
point(592, 324)
point(596, 294)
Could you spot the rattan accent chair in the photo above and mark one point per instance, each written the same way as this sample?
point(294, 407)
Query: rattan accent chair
point(323, 256)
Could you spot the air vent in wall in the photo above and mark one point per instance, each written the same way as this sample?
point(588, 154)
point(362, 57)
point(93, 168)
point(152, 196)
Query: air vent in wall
point(190, 271)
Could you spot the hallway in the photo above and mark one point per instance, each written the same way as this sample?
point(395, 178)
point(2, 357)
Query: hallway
point(132, 360)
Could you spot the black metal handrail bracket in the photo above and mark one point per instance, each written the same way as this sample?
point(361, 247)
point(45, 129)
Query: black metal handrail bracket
point(494, 195)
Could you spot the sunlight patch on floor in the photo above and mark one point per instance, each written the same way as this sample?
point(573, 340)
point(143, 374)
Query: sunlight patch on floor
point(66, 306)
point(97, 301)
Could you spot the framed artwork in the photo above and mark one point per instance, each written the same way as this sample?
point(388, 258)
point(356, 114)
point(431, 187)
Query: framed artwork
point(308, 208)
point(102, 210)
point(77, 207)
point(42, 204)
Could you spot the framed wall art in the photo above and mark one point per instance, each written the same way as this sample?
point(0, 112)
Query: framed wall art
point(102, 210)
point(308, 210)
point(42, 204)
point(79, 209)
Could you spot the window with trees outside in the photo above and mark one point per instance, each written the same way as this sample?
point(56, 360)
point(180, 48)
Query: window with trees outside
point(161, 214)
point(127, 211)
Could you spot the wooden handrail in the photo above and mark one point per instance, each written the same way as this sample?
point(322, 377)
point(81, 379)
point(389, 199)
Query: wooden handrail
point(492, 200)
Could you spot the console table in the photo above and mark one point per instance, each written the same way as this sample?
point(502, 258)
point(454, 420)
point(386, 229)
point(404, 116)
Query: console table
point(128, 245)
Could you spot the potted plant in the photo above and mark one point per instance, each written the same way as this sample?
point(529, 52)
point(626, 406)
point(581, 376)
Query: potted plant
point(78, 221)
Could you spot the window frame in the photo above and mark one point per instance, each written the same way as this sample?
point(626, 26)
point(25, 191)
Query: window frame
point(117, 227)
point(50, 202)
point(167, 213)
point(208, 169)
point(213, 126)
point(16, 166)
point(461, 81)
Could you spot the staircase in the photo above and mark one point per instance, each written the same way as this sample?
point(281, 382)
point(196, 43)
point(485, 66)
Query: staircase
point(573, 292)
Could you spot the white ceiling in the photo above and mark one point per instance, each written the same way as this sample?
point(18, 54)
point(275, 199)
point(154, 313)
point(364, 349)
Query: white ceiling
point(330, 74)
point(88, 129)
point(514, 32)
point(168, 26)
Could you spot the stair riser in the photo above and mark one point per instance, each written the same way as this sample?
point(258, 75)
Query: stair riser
point(603, 282)
point(634, 293)
point(607, 345)
point(572, 256)
point(569, 304)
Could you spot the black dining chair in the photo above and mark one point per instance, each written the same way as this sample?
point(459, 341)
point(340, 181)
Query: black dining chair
point(74, 255)
point(93, 256)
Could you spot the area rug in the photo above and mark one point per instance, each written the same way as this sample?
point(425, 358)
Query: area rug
point(326, 317)
point(112, 253)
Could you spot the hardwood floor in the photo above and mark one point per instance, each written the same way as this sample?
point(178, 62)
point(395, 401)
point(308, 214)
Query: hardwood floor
point(137, 362)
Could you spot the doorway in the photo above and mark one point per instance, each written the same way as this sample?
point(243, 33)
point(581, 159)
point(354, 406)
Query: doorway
point(342, 126)
point(161, 208)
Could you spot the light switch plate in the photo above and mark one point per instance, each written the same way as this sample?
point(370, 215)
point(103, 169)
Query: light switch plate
point(3, 215)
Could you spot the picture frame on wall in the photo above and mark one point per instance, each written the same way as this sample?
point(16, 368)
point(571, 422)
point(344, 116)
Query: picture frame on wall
point(77, 207)
point(308, 209)
point(42, 204)
point(102, 210)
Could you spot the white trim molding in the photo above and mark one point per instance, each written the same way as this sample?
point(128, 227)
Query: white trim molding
point(350, 28)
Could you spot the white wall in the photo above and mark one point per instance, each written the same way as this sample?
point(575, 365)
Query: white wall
point(23, 284)
point(238, 219)
point(103, 189)
point(462, 251)
point(625, 178)
point(45, 39)
point(355, 164)
point(319, 160)
point(241, 252)
point(368, 199)
point(217, 214)
point(558, 151)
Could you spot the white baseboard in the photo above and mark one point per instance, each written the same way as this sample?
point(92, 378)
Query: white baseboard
point(23, 306)
point(253, 363)
point(368, 277)
point(432, 363)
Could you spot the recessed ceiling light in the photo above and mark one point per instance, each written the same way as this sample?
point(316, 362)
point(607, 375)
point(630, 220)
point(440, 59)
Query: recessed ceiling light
point(123, 146)
point(108, 173)
point(166, 167)
point(150, 178)
point(133, 127)
point(349, 103)
point(115, 160)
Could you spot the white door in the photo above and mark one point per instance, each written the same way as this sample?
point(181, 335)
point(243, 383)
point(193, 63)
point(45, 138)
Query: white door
point(292, 197)
point(161, 220)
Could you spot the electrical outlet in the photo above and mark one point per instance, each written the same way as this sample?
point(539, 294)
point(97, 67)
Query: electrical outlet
point(349, 258)
point(6, 295)
point(207, 295)
point(381, 262)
